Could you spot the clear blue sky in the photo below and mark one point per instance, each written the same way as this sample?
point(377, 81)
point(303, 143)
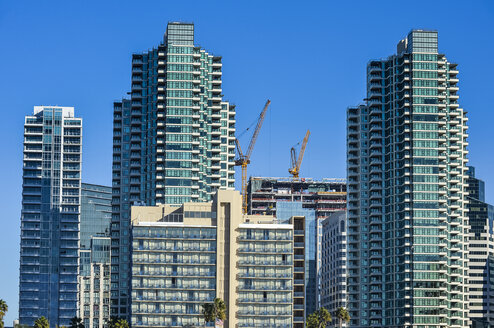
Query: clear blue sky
point(308, 57)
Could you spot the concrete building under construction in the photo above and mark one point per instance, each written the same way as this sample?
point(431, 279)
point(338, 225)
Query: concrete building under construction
point(325, 196)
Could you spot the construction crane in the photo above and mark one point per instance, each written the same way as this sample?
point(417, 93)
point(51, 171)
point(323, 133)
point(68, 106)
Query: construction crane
point(294, 170)
point(244, 159)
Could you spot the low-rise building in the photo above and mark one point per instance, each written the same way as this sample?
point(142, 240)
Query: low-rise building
point(183, 257)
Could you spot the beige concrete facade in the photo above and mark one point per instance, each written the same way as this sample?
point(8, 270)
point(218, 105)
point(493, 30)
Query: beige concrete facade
point(260, 237)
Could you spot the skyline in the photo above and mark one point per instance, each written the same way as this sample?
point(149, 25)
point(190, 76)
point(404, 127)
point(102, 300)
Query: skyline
point(94, 102)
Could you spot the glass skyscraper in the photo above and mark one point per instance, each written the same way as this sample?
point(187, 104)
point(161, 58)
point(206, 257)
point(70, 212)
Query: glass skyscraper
point(50, 216)
point(173, 140)
point(407, 206)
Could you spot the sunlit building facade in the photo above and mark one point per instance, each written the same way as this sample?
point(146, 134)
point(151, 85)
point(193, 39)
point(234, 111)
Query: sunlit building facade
point(51, 190)
point(407, 206)
point(173, 140)
point(183, 257)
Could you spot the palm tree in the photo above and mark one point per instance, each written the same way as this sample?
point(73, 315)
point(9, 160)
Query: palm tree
point(117, 322)
point(342, 315)
point(76, 322)
point(319, 319)
point(3, 310)
point(122, 323)
point(41, 322)
point(215, 311)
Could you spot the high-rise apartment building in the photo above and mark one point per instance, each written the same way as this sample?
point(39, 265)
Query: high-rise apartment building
point(184, 257)
point(481, 253)
point(334, 262)
point(94, 255)
point(173, 140)
point(50, 216)
point(407, 206)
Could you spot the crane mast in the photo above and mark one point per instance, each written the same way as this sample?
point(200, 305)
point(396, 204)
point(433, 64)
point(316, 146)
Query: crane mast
point(244, 159)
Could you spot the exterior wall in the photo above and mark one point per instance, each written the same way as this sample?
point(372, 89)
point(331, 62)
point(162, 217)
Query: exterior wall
point(173, 273)
point(183, 257)
point(300, 266)
point(407, 220)
point(50, 216)
point(94, 283)
point(265, 271)
point(94, 274)
point(481, 254)
point(173, 140)
point(95, 212)
point(334, 263)
point(307, 246)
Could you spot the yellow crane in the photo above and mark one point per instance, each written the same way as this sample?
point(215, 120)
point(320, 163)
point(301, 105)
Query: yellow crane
point(296, 162)
point(244, 159)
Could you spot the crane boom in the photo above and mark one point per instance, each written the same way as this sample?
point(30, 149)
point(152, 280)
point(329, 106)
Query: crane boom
point(256, 131)
point(302, 149)
point(244, 159)
point(295, 169)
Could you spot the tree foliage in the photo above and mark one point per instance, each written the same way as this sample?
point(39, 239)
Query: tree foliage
point(41, 322)
point(342, 315)
point(3, 310)
point(76, 322)
point(319, 319)
point(215, 310)
point(117, 322)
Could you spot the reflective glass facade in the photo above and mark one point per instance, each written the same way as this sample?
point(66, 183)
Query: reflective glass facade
point(50, 216)
point(95, 212)
point(173, 140)
point(407, 209)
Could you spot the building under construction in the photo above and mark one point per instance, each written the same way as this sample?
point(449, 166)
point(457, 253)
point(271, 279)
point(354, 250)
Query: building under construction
point(325, 196)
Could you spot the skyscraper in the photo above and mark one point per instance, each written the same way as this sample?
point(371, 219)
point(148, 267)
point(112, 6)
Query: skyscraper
point(481, 253)
point(50, 215)
point(173, 140)
point(407, 207)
